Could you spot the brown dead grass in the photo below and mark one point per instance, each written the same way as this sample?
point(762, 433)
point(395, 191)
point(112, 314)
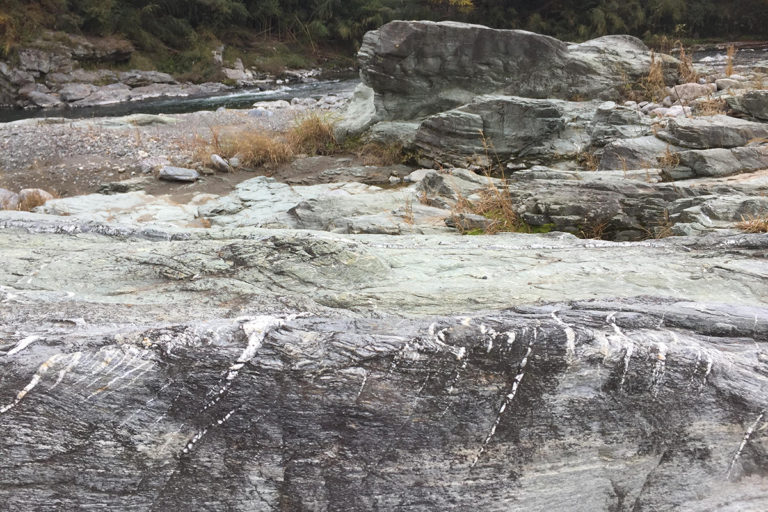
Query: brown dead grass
point(730, 54)
point(753, 224)
point(495, 204)
point(711, 107)
point(31, 199)
point(588, 160)
point(252, 148)
point(313, 134)
point(376, 153)
point(653, 85)
point(685, 67)
point(668, 160)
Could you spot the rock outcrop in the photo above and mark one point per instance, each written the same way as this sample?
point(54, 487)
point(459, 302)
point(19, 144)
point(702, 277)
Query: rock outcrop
point(265, 370)
point(422, 68)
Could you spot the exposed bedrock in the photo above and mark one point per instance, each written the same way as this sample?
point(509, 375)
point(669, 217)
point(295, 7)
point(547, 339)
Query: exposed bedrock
point(245, 369)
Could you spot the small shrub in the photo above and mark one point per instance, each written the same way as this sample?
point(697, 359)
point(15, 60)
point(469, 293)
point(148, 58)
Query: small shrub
point(313, 134)
point(753, 224)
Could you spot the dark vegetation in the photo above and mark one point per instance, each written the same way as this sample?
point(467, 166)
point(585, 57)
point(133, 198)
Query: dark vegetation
point(177, 35)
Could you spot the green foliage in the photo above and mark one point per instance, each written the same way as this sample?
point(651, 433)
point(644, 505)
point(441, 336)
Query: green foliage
point(178, 25)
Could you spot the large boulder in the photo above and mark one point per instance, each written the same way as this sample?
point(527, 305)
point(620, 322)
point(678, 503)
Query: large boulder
point(417, 68)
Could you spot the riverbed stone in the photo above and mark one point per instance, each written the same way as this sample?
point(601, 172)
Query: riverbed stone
point(752, 103)
point(170, 173)
point(76, 91)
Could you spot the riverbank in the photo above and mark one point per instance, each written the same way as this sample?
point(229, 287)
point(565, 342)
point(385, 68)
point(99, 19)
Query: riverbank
point(70, 157)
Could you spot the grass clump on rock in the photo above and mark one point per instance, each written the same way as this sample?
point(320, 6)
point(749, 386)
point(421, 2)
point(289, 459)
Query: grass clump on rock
point(754, 224)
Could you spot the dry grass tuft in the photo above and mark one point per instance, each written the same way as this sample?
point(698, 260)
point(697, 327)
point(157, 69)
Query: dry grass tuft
point(32, 198)
point(731, 53)
point(711, 106)
point(252, 148)
point(685, 68)
point(662, 229)
point(754, 224)
point(668, 160)
point(588, 160)
point(653, 85)
point(313, 134)
point(376, 153)
point(495, 204)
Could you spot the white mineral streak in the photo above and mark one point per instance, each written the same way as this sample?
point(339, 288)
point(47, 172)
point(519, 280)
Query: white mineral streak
point(73, 361)
point(508, 398)
point(36, 378)
point(119, 377)
point(629, 347)
point(570, 337)
point(21, 345)
point(744, 442)
point(192, 442)
point(659, 367)
point(362, 386)
point(256, 329)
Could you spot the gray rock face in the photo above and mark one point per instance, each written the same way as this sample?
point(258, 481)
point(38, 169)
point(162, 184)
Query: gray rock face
point(725, 162)
point(712, 132)
point(507, 124)
point(42, 99)
point(612, 122)
point(752, 103)
point(170, 173)
point(76, 91)
point(418, 68)
point(637, 153)
point(275, 370)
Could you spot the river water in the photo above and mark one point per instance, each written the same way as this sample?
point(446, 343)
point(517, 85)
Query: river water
point(240, 99)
